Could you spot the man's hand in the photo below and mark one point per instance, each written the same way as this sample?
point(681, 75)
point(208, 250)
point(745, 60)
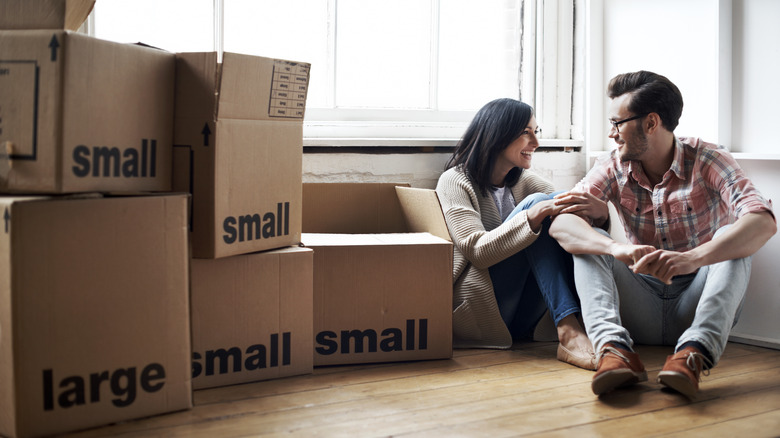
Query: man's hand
point(628, 253)
point(585, 205)
point(664, 265)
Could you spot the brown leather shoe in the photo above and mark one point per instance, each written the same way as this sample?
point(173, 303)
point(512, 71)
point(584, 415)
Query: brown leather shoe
point(682, 371)
point(617, 368)
point(578, 358)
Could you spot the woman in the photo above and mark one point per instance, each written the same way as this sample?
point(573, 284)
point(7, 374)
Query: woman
point(507, 269)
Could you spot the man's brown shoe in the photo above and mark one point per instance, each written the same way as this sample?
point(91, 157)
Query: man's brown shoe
point(617, 368)
point(682, 371)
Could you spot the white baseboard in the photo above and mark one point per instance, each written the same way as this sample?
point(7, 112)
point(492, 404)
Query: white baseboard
point(755, 340)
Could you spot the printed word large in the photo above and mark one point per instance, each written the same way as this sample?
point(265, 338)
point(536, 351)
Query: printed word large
point(123, 384)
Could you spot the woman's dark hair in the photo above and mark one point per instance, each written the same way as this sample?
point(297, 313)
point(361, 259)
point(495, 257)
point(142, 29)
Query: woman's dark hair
point(495, 126)
point(650, 93)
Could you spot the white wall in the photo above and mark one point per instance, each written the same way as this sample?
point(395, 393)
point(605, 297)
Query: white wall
point(722, 54)
point(422, 170)
point(759, 322)
point(755, 96)
point(677, 39)
point(756, 88)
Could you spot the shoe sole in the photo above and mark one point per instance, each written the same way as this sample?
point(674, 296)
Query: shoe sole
point(678, 382)
point(616, 379)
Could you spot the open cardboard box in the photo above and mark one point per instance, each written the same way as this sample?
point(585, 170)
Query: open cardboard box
point(382, 292)
point(239, 150)
point(81, 114)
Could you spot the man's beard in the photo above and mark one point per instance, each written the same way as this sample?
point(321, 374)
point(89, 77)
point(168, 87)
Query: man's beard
point(634, 146)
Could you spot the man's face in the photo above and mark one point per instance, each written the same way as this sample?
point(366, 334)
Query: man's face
point(629, 136)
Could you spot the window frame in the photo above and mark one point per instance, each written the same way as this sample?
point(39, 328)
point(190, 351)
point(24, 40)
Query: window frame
point(547, 52)
point(546, 81)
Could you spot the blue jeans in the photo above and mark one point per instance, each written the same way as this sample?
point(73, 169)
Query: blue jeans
point(537, 278)
point(620, 306)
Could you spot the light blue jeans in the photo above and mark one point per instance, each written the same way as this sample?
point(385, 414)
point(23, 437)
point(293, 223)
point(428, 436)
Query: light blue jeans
point(537, 278)
point(620, 306)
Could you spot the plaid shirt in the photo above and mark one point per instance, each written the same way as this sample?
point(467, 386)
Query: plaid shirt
point(703, 190)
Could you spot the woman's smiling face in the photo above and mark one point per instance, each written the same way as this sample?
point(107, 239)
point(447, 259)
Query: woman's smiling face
point(520, 152)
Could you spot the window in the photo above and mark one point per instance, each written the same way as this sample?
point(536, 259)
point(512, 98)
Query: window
point(381, 70)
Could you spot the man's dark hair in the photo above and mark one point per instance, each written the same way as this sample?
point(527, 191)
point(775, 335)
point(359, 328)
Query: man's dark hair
point(495, 126)
point(650, 93)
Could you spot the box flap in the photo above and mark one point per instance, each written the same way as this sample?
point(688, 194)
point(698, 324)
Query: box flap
point(379, 239)
point(352, 208)
point(44, 14)
point(257, 88)
point(422, 211)
point(196, 85)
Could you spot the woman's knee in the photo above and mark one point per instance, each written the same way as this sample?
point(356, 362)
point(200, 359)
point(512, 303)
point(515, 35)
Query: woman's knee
point(534, 199)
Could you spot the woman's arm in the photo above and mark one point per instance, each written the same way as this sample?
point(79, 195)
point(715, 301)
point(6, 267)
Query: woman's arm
point(466, 223)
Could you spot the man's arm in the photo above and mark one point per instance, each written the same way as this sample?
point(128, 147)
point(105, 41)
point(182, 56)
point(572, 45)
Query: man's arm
point(577, 237)
point(746, 236)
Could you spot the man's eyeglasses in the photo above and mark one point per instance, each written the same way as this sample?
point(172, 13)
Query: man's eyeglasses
point(616, 123)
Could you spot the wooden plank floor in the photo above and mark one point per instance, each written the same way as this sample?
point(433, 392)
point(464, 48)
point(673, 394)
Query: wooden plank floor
point(494, 393)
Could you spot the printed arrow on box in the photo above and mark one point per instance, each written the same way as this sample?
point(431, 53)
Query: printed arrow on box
point(54, 45)
point(206, 132)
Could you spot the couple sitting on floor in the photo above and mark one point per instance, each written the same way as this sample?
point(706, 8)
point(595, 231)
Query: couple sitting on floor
point(692, 220)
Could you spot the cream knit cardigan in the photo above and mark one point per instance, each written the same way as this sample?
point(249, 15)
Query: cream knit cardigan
point(480, 240)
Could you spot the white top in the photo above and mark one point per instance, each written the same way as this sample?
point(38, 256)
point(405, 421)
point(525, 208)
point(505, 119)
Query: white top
point(504, 201)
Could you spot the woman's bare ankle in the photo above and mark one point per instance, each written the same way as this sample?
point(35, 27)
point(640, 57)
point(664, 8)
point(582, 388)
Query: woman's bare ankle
point(571, 334)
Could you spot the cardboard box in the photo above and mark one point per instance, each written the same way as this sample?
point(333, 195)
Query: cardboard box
point(94, 311)
point(44, 14)
point(252, 317)
point(239, 150)
point(80, 114)
point(383, 294)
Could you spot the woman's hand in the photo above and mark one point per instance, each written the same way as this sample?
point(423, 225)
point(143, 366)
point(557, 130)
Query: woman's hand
point(585, 205)
point(540, 211)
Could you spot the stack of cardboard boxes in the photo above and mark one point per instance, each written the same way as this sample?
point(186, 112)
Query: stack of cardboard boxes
point(238, 150)
point(157, 237)
point(94, 304)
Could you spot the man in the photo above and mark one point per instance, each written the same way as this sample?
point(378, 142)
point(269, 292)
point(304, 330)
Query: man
point(692, 221)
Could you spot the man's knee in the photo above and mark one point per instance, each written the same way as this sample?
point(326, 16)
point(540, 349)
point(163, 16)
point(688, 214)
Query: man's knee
point(587, 261)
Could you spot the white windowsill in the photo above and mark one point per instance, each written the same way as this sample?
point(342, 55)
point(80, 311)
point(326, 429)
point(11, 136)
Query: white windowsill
point(755, 156)
point(737, 155)
point(418, 142)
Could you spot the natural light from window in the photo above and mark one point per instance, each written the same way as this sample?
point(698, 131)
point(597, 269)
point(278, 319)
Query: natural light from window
point(401, 68)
